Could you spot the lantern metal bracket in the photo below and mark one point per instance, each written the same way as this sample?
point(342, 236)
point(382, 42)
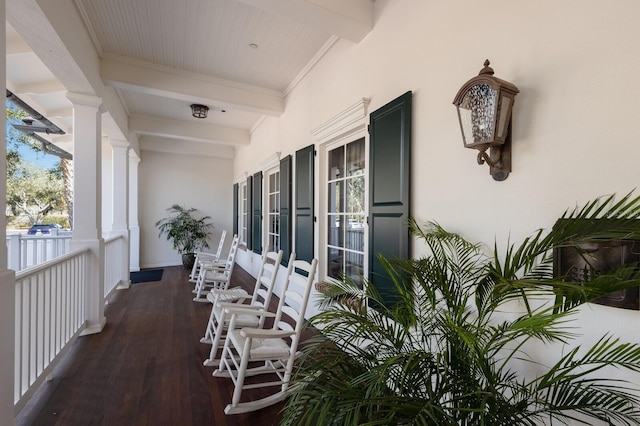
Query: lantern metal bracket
point(498, 159)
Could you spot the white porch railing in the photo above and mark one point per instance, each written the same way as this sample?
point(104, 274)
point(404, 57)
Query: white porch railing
point(25, 251)
point(50, 314)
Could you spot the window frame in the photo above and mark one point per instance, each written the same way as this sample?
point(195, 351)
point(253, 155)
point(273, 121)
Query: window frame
point(345, 126)
point(328, 216)
point(267, 207)
point(243, 211)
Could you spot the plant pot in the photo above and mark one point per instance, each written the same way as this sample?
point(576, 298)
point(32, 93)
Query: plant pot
point(188, 259)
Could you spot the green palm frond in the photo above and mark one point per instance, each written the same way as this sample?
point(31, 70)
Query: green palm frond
point(443, 353)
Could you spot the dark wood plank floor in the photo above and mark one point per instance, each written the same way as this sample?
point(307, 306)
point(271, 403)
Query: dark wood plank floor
point(145, 368)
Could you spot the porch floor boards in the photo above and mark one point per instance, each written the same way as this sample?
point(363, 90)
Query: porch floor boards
point(145, 368)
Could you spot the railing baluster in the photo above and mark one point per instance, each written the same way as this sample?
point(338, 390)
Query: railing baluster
point(50, 303)
point(49, 316)
point(24, 251)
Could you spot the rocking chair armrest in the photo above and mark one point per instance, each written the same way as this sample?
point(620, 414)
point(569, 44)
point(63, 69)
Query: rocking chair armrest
point(236, 291)
point(213, 262)
point(205, 254)
point(242, 310)
point(213, 267)
point(234, 305)
point(268, 333)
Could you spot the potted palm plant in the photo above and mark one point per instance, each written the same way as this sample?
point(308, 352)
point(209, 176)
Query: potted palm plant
point(186, 232)
point(446, 353)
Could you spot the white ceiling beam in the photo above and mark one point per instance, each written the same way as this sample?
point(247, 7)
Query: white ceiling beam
point(60, 42)
point(40, 88)
point(348, 19)
point(175, 146)
point(62, 139)
point(16, 46)
point(60, 113)
point(63, 45)
point(184, 130)
point(146, 77)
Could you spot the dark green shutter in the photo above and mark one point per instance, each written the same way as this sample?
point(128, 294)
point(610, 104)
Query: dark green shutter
point(285, 209)
point(257, 212)
point(249, 213)
point(235, 208)
point(304, 222)
point(389, 176)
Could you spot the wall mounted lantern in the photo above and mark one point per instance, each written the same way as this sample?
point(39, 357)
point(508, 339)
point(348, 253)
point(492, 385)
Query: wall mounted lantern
point(199, 111)
point(484, 106)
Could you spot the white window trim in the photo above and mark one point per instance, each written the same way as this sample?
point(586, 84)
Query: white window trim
point(269, 165)
point(266, 206)
point(240, 181)
point(347, 126)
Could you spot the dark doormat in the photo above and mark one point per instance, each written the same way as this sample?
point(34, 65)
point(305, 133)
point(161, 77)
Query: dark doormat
point(146, 275)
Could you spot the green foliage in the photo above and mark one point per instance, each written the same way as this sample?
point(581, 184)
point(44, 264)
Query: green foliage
point(446, 352)
point(186, 233)
point(34, 192)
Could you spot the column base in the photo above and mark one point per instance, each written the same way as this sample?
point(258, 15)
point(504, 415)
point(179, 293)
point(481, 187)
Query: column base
point(94, 329)
point(123, 285)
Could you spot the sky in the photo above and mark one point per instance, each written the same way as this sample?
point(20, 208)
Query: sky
point(39, 158)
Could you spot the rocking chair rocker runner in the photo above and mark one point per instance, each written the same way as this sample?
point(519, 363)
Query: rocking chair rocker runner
point(202, 256)
point(214, 275)
point(276, 348)
point(259, 300)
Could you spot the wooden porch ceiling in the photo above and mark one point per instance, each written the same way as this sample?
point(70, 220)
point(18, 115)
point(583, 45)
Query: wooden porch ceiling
point(145, 368)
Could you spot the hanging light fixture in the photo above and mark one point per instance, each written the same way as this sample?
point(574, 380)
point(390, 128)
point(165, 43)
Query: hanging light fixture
point(484, 110)
point(199, 111)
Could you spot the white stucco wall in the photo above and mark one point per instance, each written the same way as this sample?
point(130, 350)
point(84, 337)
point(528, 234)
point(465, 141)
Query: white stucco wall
point(575, 135)
point(191, 181)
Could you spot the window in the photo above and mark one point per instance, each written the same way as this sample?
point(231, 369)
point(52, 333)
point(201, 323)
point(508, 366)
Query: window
point(273, 210)
point(243, 208)
point(346, 211)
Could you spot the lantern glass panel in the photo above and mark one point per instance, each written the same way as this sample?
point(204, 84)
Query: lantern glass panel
point(477, 114)
point(505, 114)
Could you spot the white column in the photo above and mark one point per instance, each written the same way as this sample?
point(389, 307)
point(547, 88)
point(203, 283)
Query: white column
point(134, 228)
point(120, 203)
point(87, 202)
point(7, 276)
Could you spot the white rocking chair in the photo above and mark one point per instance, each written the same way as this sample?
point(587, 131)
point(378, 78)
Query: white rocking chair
point(202, 256)
point(214, 275)
point(259, 300)
point(276, 348)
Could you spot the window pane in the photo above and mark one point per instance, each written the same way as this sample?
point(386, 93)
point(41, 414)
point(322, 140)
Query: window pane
point(355, 158)
point(274, 243)
point(336, 227)
point(336, 202)
point(272, 203)
point(355, 194)
point(335, 263)
point(272, 182)
point(355, 239)
point(336, 163)
point(354, 266)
